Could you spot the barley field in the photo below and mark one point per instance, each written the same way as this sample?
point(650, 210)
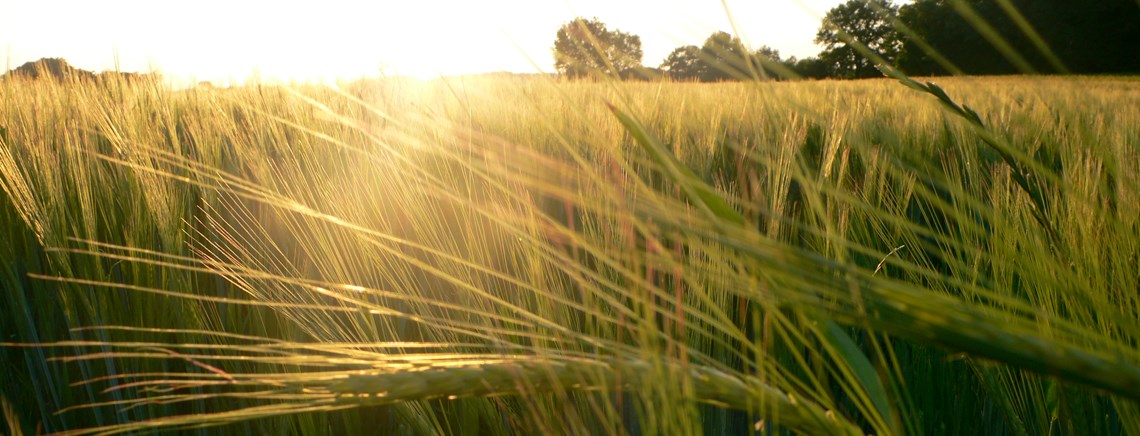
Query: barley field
point(504, 255)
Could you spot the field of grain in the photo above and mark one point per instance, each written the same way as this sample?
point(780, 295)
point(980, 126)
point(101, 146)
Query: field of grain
point(499, 255)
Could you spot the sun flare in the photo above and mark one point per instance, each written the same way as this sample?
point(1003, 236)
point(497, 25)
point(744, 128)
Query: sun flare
point(234, 40)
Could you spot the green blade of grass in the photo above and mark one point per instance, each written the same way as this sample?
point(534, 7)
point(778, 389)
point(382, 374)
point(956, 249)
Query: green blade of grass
point(721, 210)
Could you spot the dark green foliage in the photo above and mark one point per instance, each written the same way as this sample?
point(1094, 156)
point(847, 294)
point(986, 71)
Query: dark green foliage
point(723, 57)
point(939, 37)
point(1085, 37)
point(923, 38)
point(865, 21)
point(585, 48)
point(811, 68)
point(684, 63)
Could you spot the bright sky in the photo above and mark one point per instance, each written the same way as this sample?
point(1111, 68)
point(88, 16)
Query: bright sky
point(230, 40)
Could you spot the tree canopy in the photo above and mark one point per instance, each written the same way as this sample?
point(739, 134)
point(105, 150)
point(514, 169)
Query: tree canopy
point(684, 63)
point(1021, 36)
point(587, 47)
point(923, 37)
point(721, 57)
point(869, 22)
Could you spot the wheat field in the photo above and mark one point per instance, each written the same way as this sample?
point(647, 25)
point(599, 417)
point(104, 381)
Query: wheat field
point(496, 255)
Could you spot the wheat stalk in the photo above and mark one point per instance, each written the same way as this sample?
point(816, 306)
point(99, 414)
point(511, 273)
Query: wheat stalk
point(547, 375)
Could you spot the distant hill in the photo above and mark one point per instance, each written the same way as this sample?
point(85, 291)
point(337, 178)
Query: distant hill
point(53, 67)
point(59, 69)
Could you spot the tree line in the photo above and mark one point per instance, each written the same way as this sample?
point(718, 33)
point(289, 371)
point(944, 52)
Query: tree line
point(924, 37)
point(59, 69)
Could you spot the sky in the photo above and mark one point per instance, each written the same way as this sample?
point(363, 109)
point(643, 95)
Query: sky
point(229, 41)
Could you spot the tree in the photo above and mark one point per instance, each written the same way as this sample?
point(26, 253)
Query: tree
point(586, 47)
point(810, 68)
point(721, 57)
point(770, 65)
point(1080, 37)
point(684, 63)
point(866, 22)
point(927, 20)
point(725, 59)
point(949, 35)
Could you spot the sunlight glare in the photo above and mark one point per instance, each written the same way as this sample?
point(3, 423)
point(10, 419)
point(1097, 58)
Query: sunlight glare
point(230, 41)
